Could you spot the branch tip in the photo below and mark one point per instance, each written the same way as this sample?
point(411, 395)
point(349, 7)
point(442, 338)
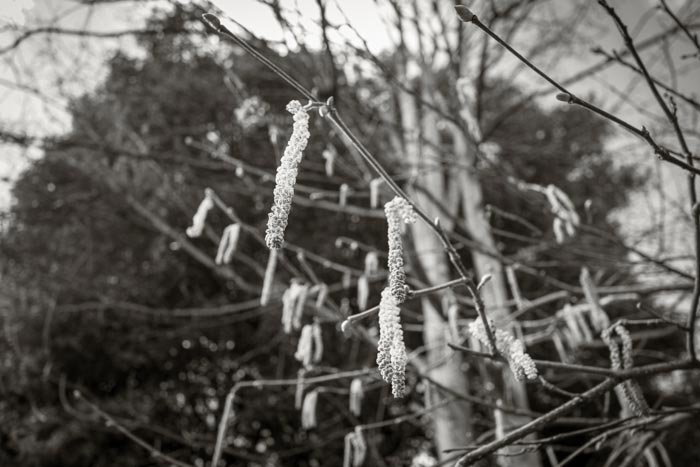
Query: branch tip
point(212, 20)
point(465, 14)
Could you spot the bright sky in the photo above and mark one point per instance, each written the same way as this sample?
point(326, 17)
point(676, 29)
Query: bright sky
point(67, 66)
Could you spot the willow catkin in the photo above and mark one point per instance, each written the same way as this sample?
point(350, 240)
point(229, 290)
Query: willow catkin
point(305, 346)
point(391, 350)
point(308, 410)
point(286, 177)
point(398, 213)
point(512, 349)
point(374, 192)
point(228, 244)
point(371, 263)
point(200, 217)
point(269, 278)
point(628, 392)
point(299, 392)
point(362, 292)
point(343, 194)
point(317, 341)
point(357, 393)
point(329, 155)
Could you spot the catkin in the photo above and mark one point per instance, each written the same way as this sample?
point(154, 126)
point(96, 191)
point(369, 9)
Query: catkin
point(512, 349)
point(362, 292)
point(628, 392)
point(391, 350)
point(371, 263)
point(398, 213)
point(228, 244)
point(308, 410)
point(305, 346)
point(269, 278)
point(200, 217)
point(286, 177)
point(357, 393)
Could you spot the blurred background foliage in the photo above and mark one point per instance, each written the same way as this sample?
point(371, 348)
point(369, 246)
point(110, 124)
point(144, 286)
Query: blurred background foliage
point(103, 301)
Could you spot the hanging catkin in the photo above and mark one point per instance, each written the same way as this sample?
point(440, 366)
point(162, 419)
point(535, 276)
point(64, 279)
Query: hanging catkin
point(398, 213)
point(200, 217)
point(391, 350)
point(287, 176)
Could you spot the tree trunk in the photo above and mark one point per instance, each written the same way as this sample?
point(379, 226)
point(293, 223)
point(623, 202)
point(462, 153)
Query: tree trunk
point(451, 423)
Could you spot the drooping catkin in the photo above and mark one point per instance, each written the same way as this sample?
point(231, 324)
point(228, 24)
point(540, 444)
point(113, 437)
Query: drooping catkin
point(566, 219)
point(299, 393)
point(391, 350)
point(308, 410)
point(200, 217)
point(599, 318)
point(512, 349)
point(357, 393)
point(398, 213)
point(305, 346)
point(371, 263)
point(269, 278)
point(343, 194)
point(362, 292)
point(293, 301)
point(628, 392)
point(228, 244)
point(329, 155)
point(318, 342)
point(374, 192)
point(286, 177)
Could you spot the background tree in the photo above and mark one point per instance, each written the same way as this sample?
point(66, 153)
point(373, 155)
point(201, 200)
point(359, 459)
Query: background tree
point(103, 292)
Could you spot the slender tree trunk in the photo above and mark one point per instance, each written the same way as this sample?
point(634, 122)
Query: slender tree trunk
point(451, 423)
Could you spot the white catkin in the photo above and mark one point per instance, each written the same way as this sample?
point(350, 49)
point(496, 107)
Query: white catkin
point(499, 421)
point(305, 346)
point(566, 219)
point(300, 305)
point(362, 292)
point(371, 263)
point(512, 349)
point(343, 194)
point(599, 318)
point(308, 410)
point(391, 350)
point(329, 155)
point(357, 393)
point(289, 305)
point(318, 342)
point(286, 177)
point(200, 217)
point(299, 393)
point(374, 192)
point(359, 448)
point(628, 392)
point(572, 326)
point(269, 278)
point(240, 171)
point(228, 244)
point(346, 280)
point(398, 213)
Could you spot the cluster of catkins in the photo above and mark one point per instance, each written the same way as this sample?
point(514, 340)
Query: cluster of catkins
point(628, 392)
point(287, 176)
point(566, 219)
point(513, 350)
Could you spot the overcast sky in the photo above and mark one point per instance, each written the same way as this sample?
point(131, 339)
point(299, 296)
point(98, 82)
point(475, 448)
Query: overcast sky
point(67, 66)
